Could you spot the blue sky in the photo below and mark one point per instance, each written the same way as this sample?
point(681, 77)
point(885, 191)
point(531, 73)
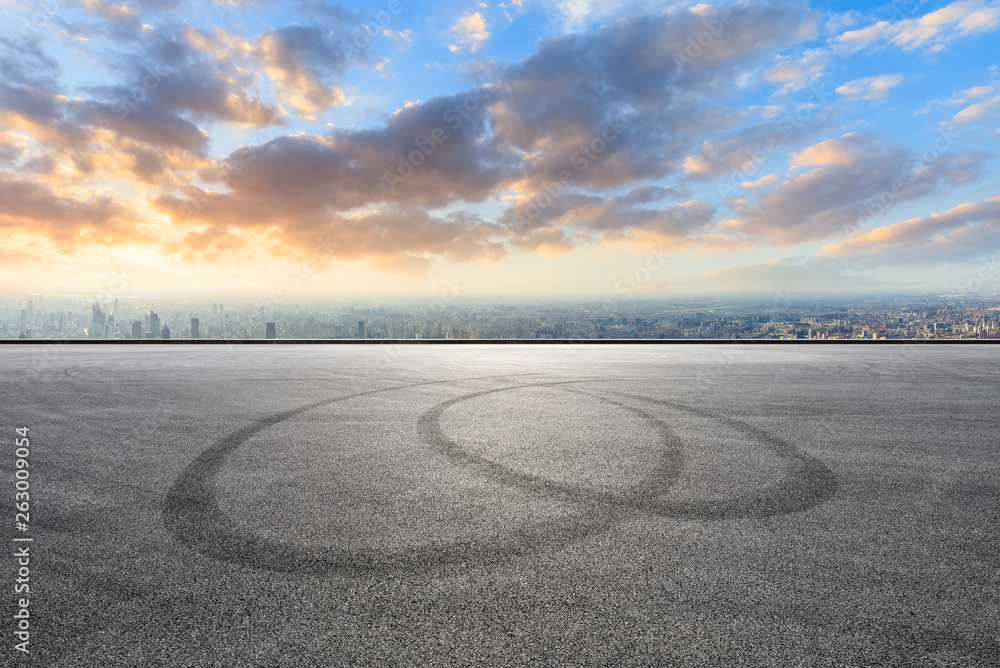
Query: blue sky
point(533, 147)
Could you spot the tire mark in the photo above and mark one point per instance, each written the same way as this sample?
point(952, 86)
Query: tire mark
point(192, 514)
point(665, 474)
point(807, 481)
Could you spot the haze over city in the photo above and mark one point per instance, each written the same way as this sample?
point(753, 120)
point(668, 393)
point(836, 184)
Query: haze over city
point(228, 150)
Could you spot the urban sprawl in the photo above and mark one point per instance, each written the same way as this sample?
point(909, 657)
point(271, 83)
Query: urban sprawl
point(912, 317)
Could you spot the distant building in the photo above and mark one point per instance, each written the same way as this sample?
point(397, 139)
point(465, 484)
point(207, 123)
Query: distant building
point(195, 334)
point(166, 332)
point(271, 332)
point(136, 330)
point(361, 329)
point(98, 321)
point(154, 325)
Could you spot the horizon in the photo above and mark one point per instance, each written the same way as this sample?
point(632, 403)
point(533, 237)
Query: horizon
point(348, 299)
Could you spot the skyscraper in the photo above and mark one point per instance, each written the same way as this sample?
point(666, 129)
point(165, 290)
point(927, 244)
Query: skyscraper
point(166, 332)
point(270, 332)
point(154, 325)
point(136, 330)
point(361, 329)
point(195, 334)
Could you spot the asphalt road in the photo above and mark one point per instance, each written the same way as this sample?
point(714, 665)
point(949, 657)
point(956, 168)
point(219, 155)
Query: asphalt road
point(507, 505)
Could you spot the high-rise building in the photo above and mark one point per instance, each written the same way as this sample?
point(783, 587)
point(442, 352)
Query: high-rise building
point(270, 332)
point(166, 332)
point(136, 330)
point(195, 334)
point(154, 325)
point(361, 329)
point(24, 319)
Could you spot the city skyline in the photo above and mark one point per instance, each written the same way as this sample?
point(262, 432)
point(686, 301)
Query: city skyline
point(784, 316)
point(532, 147)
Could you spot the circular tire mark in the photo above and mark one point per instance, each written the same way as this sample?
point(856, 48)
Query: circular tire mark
point(807, 481)
point(192, 513)
point(662, 476)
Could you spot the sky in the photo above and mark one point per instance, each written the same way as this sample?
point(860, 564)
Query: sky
point(525, 147)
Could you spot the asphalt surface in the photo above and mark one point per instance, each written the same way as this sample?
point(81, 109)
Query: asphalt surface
point(507, 505)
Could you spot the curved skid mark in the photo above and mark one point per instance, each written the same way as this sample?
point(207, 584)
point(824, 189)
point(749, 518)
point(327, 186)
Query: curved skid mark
point(192, 514)
point(664, 474)
point(807, 481)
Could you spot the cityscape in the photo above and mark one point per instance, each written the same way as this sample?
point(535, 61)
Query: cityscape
point(782, 316)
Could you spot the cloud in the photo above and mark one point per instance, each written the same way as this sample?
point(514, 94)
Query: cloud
point(838, 21)
point(830, 153)
point(563, 97)
point(470, 31)
point(961, 234)
point(962, 97)
point(797, 73)
point(304, 67)
point(609, 107)
point(11, 148)
point(327, 11)
point(741, 153)
point(767, 180)
point(871, 89)
point(615, 108)
point(33, 206)
point(163, 94)
point(293, 182)
point(647, 194)
point(580, 217)
point(402, 38)
point(848, 174)
point(932, 32)
point(25, 63)
point(396, 239)
point(980, 110)
point(145, 123)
